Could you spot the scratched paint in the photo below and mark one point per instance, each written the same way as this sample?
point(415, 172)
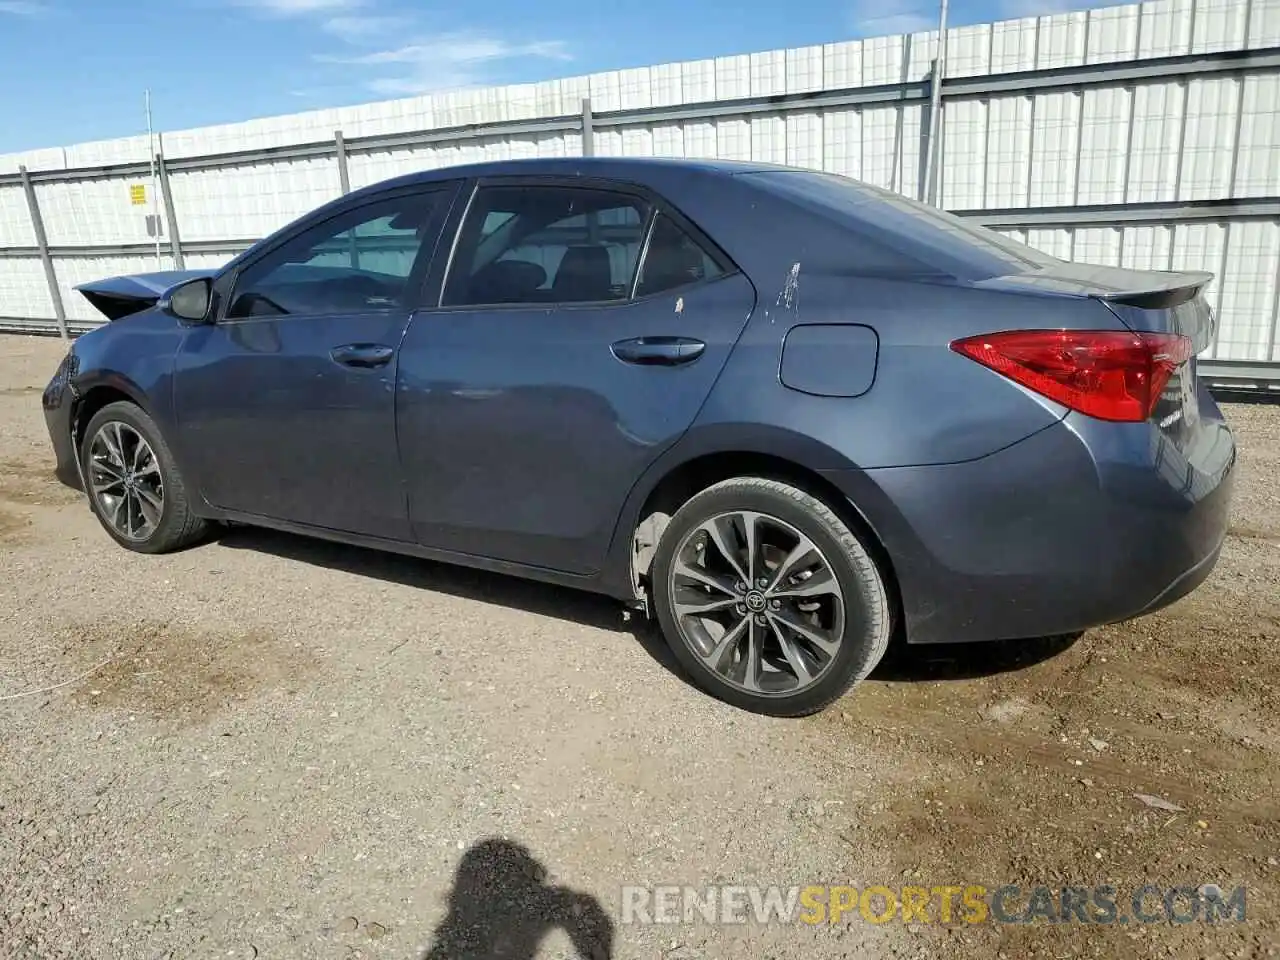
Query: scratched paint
point(790, 291)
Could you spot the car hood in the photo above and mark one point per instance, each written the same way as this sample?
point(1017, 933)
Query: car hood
point(117, 297)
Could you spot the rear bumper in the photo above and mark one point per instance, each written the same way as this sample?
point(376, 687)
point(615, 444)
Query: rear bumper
point(1082, 524)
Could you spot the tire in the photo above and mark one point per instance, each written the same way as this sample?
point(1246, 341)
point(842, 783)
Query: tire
point(847, 575)
point(171, 527)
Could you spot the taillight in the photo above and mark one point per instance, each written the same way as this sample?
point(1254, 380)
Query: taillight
point(1108, 374)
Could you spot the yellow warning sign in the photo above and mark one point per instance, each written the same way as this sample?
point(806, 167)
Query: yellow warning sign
point(137, 194)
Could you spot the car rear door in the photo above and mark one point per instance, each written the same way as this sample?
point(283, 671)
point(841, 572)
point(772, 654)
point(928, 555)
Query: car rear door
point(580, 327)
point(287, 401)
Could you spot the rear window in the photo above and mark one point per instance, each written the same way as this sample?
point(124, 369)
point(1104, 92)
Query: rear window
point(907, 225)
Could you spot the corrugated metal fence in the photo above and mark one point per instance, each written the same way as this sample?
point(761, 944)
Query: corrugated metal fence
point(1146, 135)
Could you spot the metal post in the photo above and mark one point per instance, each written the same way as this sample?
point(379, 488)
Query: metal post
point(1128, 142)
point(588, 135)
point(344, 177)
point(344, 184)
point(1185, 88)
point(170, 215)
point(42, 241)
point(1031, 150)
point(933, 146)
point(1235, 141)
point(1273, 354)
point(986, 147)
point(1221, 278)
point(899, 133)
point(155, 187)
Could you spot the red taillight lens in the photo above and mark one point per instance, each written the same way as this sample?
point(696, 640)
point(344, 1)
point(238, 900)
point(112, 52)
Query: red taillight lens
point(1108, 374)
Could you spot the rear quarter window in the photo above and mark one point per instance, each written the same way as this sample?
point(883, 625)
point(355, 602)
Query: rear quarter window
point(951, 243)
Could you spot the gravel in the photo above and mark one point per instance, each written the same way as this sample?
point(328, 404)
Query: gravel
point(285, 748)
point(297, 749)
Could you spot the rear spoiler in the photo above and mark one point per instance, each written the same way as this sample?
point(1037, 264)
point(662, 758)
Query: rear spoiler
point(1144, 289)
point(1166, 302)
point(117, 297)
point(1165, 290)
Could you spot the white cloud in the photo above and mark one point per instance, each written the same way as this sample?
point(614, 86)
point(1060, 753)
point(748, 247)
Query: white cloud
point(445, 62)
point(395, 57)
point(23, 8)
point(293, 8)
point(458, 48)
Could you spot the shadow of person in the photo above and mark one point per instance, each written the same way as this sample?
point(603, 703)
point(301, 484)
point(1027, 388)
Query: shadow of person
point(501, 908)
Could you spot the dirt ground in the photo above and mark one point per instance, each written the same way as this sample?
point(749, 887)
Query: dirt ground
point(269, 747)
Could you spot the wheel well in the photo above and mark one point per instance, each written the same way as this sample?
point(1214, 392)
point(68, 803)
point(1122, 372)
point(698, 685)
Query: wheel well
point(691, 478)
point(90, 404)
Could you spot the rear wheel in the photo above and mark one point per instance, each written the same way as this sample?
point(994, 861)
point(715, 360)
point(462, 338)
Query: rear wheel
point(134, 486)
point(768, 599)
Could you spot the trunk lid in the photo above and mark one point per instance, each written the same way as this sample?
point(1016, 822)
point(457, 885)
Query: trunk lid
point(116, 297)
point(1153, 301)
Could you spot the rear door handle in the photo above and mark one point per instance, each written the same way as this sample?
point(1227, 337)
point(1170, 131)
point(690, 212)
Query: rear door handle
point(362, 354)
point(658, 351)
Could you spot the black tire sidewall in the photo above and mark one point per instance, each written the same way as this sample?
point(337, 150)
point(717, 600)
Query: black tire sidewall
point(170, 521)
point(867, 610)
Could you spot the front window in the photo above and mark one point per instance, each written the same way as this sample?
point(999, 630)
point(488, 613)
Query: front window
point(360, 261)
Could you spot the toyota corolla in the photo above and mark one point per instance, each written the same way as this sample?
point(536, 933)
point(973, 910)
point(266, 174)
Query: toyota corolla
point(788, 414)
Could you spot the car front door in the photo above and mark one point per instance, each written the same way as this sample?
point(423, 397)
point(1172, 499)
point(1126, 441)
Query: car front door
point(287, 402)
point(580, 329)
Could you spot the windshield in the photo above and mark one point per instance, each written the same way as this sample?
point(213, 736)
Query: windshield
point(911, 226)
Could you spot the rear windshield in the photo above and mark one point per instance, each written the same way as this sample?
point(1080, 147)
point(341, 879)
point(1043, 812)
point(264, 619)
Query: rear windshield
point(930, 234)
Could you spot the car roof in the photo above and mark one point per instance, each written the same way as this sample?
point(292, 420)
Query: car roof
point(885, 233)
point(634, 169)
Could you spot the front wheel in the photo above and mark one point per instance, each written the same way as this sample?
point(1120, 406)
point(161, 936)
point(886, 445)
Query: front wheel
point(768, 599)
point(134, 486)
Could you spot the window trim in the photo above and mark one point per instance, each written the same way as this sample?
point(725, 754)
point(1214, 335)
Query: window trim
point(656, 204)
point(727, 267)
point(654, 212)
point(415, 283)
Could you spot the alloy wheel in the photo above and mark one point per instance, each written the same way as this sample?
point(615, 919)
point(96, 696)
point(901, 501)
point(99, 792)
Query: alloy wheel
point(125, 480)
point(757, 601)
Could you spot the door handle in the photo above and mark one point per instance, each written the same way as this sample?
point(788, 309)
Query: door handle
point(362, 354)
point(658, 351)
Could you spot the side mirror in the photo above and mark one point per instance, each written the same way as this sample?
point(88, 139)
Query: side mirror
point(188, 301)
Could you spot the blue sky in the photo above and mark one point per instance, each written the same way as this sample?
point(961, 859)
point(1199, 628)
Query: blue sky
point(75, 70)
